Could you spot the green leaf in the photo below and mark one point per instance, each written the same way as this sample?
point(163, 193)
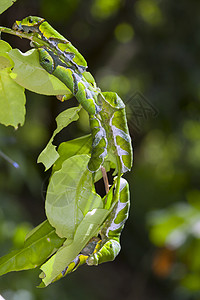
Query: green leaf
point(49, 155)
point(41, 242)
point(5, 62)
point(4, 47)
point(70, 196)
point(12, 97)
point(28, 73)
point(4, 4)
point(80, 145)
point(87, 229)
point(67, 149)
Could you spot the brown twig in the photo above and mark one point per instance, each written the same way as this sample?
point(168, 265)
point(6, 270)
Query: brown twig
point(105, 179)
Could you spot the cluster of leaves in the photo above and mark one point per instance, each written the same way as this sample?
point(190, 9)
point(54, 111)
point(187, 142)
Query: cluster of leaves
point(161, 61)
point(20, 71)
point(72, 205)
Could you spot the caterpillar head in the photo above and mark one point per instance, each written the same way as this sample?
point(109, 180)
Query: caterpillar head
point(28, 24)
point(46, 60)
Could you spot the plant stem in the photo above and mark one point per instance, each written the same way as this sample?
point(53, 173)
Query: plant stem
point(105, 179)
point(29, 36)
point(116, 196)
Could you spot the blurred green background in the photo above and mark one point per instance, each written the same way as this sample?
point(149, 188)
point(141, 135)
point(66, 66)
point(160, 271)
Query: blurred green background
point(148, 52)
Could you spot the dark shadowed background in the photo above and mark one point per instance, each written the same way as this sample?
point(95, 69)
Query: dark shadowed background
point(148, 52)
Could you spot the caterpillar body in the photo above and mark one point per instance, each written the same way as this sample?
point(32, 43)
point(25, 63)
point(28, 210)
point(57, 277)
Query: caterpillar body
point(56, 42)
point(106, 110)
point(110, 134)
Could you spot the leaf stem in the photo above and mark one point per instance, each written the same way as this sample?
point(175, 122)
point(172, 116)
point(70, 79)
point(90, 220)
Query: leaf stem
point(105, 179)
point(29, 36)
point(117, 189)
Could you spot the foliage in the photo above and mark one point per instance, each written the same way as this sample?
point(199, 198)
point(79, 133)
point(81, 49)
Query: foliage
point(81, 226)
point(161, 62)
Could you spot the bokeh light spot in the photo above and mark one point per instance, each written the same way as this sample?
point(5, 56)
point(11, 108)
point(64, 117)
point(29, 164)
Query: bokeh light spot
point(124, 32)
point(104, 8)
point(149, 11)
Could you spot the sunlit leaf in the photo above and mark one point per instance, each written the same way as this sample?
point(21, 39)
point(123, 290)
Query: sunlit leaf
point(67, 149)
point(4, 47)
point(28, 73)
point(41, 242)
point(70, 196)
point(49, 155)
point(12, 98)
point(87, 229)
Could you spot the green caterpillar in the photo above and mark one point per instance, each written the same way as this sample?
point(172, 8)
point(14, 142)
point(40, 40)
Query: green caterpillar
point(80, 89)
point(112, 228)
point(108, 124)
point(99, 145)
point(55, 40)
point(84, 93)
point(111, 139)
point(106, 248)
point(113, 116)
point(106, 110)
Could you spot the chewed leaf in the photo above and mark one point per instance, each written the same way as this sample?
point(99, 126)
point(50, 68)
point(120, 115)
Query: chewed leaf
point(67, 149)
point(70, 196)
point(12, 98)
point(41, 242)
point(28, 73)
point(49, 155)
point(87, 229)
